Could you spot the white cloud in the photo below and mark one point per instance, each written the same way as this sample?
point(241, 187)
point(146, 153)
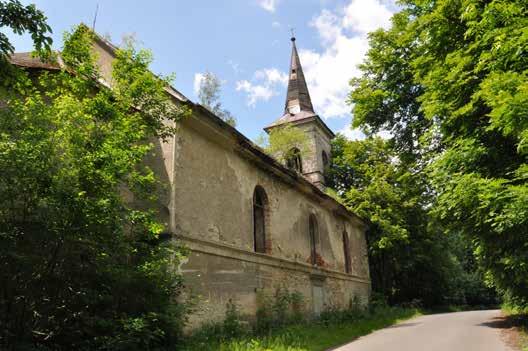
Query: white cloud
point(344, 40)
point(366, 16)
point(268, 5)
point(272, 76)
point(255, 92)
point(352, 134)
point(275, 24)
point(264, 85)
point(343, 35)
point(198, 77)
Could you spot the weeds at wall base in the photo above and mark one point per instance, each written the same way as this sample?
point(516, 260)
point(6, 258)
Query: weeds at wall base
point(333, 327)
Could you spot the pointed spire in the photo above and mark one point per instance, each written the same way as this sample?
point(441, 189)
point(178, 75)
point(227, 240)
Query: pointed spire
point(297, 97)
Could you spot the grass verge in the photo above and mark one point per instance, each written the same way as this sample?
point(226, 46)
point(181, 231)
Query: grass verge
point(315, 336)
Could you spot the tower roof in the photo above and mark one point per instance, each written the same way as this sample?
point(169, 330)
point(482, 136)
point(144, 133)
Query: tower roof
point(297, 94)
point(298, 108)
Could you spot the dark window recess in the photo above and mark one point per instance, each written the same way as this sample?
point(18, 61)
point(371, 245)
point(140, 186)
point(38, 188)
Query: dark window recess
point(293, 160)
point(325, 159)
point(259, 219)
point(346, 249)
point(313, 237)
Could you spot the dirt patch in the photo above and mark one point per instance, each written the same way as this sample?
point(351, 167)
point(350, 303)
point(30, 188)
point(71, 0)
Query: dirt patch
point(511, 330)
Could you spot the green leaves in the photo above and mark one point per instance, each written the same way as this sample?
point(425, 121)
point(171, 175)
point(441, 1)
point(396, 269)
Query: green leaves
point(465, 63)
point(83, 262)
point(21, 19)
point(406, 256)
point(282, 140)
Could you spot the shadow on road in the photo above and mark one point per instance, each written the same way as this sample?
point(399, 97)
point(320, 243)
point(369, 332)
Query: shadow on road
point(403, 325)
point(503, 322)
point(509, 327)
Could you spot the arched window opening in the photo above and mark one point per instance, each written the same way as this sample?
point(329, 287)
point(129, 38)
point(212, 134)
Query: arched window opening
point(346, 248)
point(260, 202)
point(293, 160)
point(313, 237)
point(325, 159)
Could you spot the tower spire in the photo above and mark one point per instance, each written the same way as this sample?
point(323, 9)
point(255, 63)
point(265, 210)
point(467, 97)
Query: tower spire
point(297, 96)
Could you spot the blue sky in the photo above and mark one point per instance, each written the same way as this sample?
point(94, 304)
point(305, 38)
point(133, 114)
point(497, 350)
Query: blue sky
point(245, 43)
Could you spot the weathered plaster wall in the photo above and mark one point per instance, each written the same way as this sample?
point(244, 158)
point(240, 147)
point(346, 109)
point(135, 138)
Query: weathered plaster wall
point(205, 199)
point(312, 158)
point(212, 209)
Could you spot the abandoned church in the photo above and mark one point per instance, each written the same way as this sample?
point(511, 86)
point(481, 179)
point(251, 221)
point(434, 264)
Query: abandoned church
point(253, 224)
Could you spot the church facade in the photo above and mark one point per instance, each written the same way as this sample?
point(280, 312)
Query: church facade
point(253, 224)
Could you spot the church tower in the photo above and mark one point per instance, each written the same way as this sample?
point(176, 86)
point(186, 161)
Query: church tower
point(299, 112)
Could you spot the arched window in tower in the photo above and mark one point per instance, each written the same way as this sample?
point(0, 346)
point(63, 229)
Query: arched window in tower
point(313, 232)
point(293, 160)
point(346, 249)
point(260, 206)
point(325, 159)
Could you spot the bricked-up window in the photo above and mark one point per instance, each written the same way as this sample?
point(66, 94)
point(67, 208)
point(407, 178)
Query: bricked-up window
point(260, 202)
point(346, 249)
point(313, 237)
point(293, 160)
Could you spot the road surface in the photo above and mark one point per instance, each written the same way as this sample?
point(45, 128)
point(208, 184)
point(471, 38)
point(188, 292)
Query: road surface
point(460, 331)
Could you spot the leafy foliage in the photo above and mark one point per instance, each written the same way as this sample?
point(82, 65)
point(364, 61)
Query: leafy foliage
point(450, 79)
point(83, 262)
point(284, 141)
point(209, 97)
point(21, 19)
point(407, 259)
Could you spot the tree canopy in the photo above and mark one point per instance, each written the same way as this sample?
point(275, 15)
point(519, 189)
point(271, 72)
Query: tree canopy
point(209, 97)
point(83, 262)
point(449, 80)
point(21, 19)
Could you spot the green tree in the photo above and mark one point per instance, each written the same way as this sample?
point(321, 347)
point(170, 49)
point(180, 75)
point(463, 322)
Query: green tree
point(82, 266)
point(21, 19)
point(407, 259)
point(284, 142)
point(209, 97)
point(466, 79)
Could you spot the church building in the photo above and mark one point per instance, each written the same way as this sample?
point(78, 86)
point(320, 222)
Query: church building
point(253, 224)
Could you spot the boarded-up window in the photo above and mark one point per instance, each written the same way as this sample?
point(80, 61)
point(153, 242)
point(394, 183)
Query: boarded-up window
point(346, 249)
point(259, 219)
point(313, 237)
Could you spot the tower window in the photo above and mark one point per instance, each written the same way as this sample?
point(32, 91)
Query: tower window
point(313, 237)
point(325, 159)
point(293, 160)
point(260, 206)
point(346, 249)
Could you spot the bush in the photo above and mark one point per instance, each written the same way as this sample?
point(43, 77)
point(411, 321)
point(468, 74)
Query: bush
point(283, 308)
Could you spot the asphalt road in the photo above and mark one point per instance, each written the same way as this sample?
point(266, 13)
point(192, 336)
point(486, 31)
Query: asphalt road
point(460, 331)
